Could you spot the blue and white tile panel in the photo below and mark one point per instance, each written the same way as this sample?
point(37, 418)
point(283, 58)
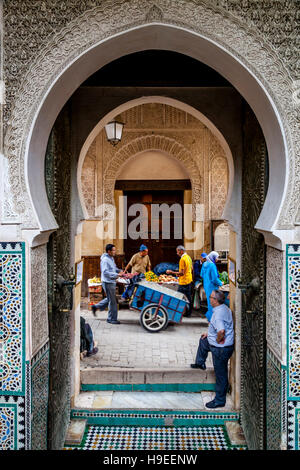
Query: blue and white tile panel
point(14, 373)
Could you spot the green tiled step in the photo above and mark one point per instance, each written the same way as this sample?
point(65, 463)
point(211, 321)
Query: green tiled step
point(150, 387)
point(129, 377)
point(153, 418)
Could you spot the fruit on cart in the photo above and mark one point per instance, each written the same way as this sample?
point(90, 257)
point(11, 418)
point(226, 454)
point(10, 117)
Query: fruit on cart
point(95, 280)
point(167, 278)
point(151, 276)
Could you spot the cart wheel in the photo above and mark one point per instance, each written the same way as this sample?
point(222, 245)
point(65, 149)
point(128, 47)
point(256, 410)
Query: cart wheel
point(154, 318)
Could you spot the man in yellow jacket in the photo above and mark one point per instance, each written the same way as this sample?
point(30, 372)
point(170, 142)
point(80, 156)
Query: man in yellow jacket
point(185, 276)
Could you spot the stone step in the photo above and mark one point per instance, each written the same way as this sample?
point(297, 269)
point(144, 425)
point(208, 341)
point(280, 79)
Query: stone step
point(168, 379)
point(150, 408)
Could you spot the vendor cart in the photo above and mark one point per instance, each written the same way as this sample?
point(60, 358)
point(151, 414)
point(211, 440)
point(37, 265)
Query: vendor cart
point(158, 305)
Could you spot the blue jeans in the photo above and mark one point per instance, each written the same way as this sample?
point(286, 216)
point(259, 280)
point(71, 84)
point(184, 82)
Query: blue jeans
point(187, 290)
point(220, 357)
point(110, 300)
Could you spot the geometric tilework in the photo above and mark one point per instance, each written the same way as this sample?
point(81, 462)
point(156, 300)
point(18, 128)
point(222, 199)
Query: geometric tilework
point(291, 441)
point(293, 425)
point(283, 400)
point(293, 305)
point(39, 391)
point(12, 422)
point(156, 438)
point(273, 402)
point(297, 427)
point(99, 417)
point(12, 318)
point(7, 427)
point(12, 347)
point(28, 407)
point(293, 341)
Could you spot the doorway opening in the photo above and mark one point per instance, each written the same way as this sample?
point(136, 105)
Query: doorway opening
point(202, 154)
point(167, 158)
point(163, 247)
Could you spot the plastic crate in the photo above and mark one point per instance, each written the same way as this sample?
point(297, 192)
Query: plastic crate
point(95, 289)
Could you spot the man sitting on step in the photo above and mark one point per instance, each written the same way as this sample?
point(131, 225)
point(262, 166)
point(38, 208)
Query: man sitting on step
point(219, 340)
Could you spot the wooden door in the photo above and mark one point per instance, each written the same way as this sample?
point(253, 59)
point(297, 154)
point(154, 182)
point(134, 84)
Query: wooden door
point(160, 248)
point(58, 184)
point(253, 354)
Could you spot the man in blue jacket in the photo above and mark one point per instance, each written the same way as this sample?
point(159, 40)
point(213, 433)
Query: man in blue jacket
point(109, 275)
point(211, 280)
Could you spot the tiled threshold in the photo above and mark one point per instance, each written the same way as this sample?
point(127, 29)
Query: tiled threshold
point(108, 438)
point(101, 420)
point(226, 436)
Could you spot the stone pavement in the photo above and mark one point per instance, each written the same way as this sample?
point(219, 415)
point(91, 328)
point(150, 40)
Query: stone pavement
point(108, 399)
point(130, 345)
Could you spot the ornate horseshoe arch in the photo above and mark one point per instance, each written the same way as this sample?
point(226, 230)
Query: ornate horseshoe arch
point(164, 145)
point(152, 142)
point(93, 39)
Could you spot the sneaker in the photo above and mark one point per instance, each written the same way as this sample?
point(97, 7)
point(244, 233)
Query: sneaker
point(123, 301)
point(213, 404)
point(198, 366)
point(94, 309)
point(91, 353)
point(114, 322)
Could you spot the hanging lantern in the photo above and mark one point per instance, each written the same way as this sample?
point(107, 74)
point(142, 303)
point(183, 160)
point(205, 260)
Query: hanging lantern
point(114, 131)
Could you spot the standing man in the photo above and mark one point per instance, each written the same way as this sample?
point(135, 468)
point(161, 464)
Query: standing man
point(109, 275)
point(185, 276)
point(140, 262)
point(211, 280)
point(219, 340)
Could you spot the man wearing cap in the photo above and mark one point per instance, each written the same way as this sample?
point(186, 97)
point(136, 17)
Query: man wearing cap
point(140, 262)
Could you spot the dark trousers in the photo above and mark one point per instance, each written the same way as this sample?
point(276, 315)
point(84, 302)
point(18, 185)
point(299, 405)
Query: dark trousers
point(86, 336)
point(187, 290)
point(220, 357)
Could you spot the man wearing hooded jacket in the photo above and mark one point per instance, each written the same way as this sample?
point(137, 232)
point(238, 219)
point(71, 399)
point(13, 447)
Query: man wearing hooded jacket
point(211, 280)
point(109, 275)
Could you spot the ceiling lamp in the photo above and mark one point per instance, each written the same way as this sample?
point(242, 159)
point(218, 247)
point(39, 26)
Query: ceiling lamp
point(114, 131)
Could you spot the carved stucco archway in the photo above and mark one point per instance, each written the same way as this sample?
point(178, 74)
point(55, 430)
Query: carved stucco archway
point(104, 33)
point(227, 212)
point(161, 143)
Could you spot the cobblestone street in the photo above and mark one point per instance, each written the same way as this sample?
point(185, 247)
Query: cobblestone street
point(129, 345)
